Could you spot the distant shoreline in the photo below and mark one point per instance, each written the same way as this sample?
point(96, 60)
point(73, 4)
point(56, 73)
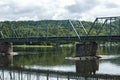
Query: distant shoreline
point(37, 46)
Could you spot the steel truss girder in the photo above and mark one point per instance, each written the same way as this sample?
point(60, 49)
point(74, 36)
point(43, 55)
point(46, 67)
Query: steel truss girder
point(107, 23)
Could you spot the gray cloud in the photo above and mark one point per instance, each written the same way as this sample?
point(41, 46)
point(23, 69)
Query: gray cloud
point(111, 5)
point(82, 6)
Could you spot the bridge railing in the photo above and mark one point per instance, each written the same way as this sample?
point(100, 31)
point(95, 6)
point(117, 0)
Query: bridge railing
point(34, 74)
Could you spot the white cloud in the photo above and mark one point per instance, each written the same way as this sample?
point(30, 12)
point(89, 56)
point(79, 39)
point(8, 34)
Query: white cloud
point(28, 18)
point(57, 9)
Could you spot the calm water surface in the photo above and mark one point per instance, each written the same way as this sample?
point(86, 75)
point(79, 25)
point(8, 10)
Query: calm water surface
point(53, 58)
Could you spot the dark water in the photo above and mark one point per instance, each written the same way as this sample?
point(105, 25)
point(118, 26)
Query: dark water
point(53, 58)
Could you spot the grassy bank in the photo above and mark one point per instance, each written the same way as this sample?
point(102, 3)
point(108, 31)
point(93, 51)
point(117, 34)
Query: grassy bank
point(37, 46)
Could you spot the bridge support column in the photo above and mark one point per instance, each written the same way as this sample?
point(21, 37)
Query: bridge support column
point(6, 54)
point(86, 49)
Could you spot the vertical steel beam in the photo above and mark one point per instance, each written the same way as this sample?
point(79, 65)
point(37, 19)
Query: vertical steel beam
point(47, 30)
point(68, 30)
point(57, 31)
point(110, 31)
point(19, 30)
point(47, 76)
point(119, 27)
point(13, 30)
point(102, 26)
point(27, 34)
point(107, 28)
point(37, 30)
point(56, 28)
point(3, 74)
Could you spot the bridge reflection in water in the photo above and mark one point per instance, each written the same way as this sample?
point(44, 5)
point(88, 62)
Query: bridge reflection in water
point(87, 67)
point(85, 70)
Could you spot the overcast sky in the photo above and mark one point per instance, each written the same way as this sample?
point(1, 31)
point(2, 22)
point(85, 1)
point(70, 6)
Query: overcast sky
point(57, 9)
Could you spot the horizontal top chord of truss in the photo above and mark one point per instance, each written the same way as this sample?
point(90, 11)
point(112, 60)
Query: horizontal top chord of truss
point(115, 17)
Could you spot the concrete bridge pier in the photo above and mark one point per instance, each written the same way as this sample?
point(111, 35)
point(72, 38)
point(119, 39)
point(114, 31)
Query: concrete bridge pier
point(87, 50)
point(6, 54)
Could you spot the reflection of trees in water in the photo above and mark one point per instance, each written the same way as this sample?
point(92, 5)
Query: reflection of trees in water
point(43, 56)
point(115, 61)
point(118, 51)
point(104, 50)
point(45, 50)
point(87, 66)
point(111, 50)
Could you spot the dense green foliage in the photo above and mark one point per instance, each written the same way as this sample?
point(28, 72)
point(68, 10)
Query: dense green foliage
point(44, 28)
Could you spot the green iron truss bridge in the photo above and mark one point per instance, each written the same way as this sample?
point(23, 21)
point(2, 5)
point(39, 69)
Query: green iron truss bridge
point(102, 29)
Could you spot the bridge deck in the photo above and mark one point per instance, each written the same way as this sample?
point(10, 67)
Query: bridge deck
point(64, 39)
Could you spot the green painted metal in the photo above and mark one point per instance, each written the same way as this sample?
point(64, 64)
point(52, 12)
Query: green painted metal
point(69, 30)
point(119, 27)
point(107, 25)
point(92, 26)
point(74, 29)
point(37, 30)
point(47, 30)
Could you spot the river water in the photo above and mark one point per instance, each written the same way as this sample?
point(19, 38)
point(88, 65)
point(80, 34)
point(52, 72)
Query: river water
point(50, 63)
point(53, 58)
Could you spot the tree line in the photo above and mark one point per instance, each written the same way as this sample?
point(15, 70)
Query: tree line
point(43, 28)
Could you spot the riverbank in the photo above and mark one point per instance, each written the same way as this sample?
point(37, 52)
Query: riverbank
point(36, 46)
